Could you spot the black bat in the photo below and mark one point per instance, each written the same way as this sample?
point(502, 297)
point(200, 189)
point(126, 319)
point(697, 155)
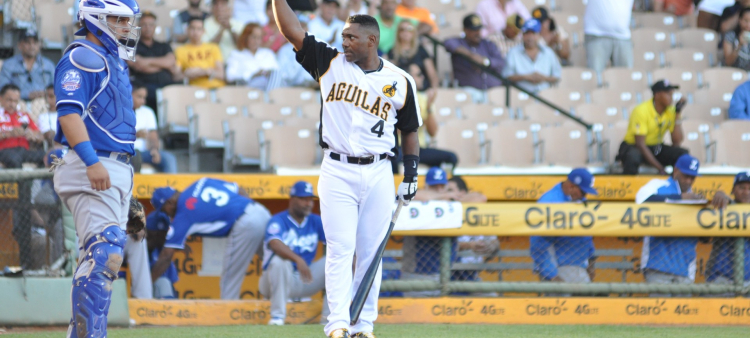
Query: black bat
point(364, 287)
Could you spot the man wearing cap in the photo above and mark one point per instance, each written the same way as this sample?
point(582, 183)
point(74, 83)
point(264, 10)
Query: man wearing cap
point(566, 259)
point(672, 260)
point(214, 208)
point(720, 269)
point(534, 66)
point(158, 227)
point(494, 14)
point(481, 51)
point(28, 70)
point(552, 35)
point(326, 26)
point(511, 36)
point(648, 123)
point(290, 245)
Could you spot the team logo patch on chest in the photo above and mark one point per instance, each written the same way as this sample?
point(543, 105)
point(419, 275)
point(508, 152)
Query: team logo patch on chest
point(376, 105)
point(71, 80)
point(390, 90)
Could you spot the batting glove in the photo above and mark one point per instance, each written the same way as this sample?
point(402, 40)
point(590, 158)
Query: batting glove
point(407, 189)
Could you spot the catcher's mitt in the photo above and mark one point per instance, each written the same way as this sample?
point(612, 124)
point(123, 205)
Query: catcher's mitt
point(136, 217)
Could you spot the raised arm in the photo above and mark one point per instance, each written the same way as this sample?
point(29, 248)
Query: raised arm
point(288, 23)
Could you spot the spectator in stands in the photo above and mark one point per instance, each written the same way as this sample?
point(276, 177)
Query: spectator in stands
point(730, 17)
point(155, 65)
point(408, 9)
point(532, 65)
point(720, 269)
point(291, 74)
point(736, 44)
point(158, 225)
point(672, 260)
point(408, 51)
point(223, 211)
point(388, 22)
point(47, 121)
point(481, 51)
point(272, 37)
point(511, 36)
point(147, 142)
point(709, 13)
point(357, 7)
point(46, 214)
point(250, 11)
point(180, 23)
point(220, 28)
point(648, 122)
point(676, 7)
point(290, 245)
point(28, 70)
point(18, 131)
point(552, 35)
point(494, 14)
point(606, 25)
point(251, 64)
point(739, 106)
point(326, 26)
point(199, 62)
point(566, 259)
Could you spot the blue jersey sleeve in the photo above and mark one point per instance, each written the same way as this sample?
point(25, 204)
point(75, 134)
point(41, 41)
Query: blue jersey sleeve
point(538, 246)
point(180, 228)
point(74, 87)
point(276, 229)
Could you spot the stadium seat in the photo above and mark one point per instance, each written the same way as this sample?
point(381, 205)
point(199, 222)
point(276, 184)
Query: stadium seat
point(288, 146)
point(612, 137)
point(578, 56)
point(660, 21)
point(687, 58)
point(206, 129)
point(164, 20)
point(486, 113)
point(731, 147)
point(444, 67)
point(572, 6)
point(714, 97)
point(53, 19)
point(652, 38)
point(274, 112)
point(512, 144)
point(610, 97)
point(453, 18)
point(542, 114)
point(530, 4)
point(447, 33)
point(301, 122)
point(241, 141)
point(172, 103)
point(684, 77)
point(293, 96)
point(696, 138)
point(462, 138)
point(565, 97)
point(238, 95)
point(599, 113)
point(446, 114)
point(723, 78)
point(496, 96)
point(311, 111)
point(578, 78)
point(647, 58)
point(704, 112)
point(570, 21)
point(440, 6)
point(452, 97)
point(702, 39)
point(565, 145)
point(624, 79)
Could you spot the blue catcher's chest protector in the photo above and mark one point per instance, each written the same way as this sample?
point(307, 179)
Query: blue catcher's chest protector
point(109, 115)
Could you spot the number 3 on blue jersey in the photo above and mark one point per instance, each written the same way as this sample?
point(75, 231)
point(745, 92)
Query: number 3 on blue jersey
point(210, 193)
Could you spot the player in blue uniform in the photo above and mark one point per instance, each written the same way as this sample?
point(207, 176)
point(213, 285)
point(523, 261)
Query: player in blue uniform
point(720, 267)
point(214, 208)
point(291, 244)
point(158, 225)
point(94, 180)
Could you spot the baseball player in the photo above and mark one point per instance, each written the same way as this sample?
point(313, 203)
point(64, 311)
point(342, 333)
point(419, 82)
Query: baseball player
point(136, 255)
point(215, 208)
point(365, 100)
point(94, 179)
point(157, 229)
point(290, 246)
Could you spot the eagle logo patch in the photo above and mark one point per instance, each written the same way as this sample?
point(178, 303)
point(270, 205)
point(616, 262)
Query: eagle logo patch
point(390, 90)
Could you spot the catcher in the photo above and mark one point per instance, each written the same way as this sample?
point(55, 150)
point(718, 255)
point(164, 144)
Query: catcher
point(136, 252)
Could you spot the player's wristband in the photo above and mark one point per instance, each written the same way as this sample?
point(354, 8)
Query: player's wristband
point(410, 166)
point(86, 152)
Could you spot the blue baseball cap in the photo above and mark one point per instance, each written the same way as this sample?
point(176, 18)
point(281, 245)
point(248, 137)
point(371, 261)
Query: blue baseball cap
point(436, 176)
point(160, 196)
point(583, 179)
point(302, 189)
point(531, 25)
point(158, 221)
point(741, 178)
point(687, 165)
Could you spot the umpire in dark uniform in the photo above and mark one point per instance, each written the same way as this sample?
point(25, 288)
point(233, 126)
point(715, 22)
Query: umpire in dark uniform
point(649, 121)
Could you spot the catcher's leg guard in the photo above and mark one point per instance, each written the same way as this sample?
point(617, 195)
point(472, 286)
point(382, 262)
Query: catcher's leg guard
point(92, 284)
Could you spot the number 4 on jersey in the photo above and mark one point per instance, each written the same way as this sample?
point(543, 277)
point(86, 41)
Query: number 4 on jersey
point(377, 129)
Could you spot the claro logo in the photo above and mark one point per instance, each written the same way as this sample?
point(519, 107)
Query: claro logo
point(722, 219)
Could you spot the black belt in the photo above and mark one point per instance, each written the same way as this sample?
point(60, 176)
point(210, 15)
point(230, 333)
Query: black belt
point(119, 157)
point(359, 160)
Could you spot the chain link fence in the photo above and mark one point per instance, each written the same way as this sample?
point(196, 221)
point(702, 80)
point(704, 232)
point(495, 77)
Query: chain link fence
point(32, 234)
point(566, 266)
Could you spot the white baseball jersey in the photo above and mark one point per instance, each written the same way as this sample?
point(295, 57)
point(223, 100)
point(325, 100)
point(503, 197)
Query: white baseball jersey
point(361, 110)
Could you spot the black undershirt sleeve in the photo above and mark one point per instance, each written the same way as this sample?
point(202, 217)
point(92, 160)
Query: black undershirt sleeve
point(408, 115)
point(315, 56)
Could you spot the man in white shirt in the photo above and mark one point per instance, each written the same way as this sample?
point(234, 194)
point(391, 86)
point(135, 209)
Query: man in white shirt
point(221, 29)
point(47, 121)
point(247, 11)
point(326, 26)
point(147, 141)
point(606, 24)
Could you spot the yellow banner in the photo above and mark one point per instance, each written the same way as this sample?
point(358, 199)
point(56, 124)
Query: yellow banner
point(9, 190)
point(607, 311)
point(497, 188)
point(596, 219)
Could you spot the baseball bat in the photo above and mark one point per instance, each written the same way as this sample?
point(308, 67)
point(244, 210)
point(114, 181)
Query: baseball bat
point(364, 287)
